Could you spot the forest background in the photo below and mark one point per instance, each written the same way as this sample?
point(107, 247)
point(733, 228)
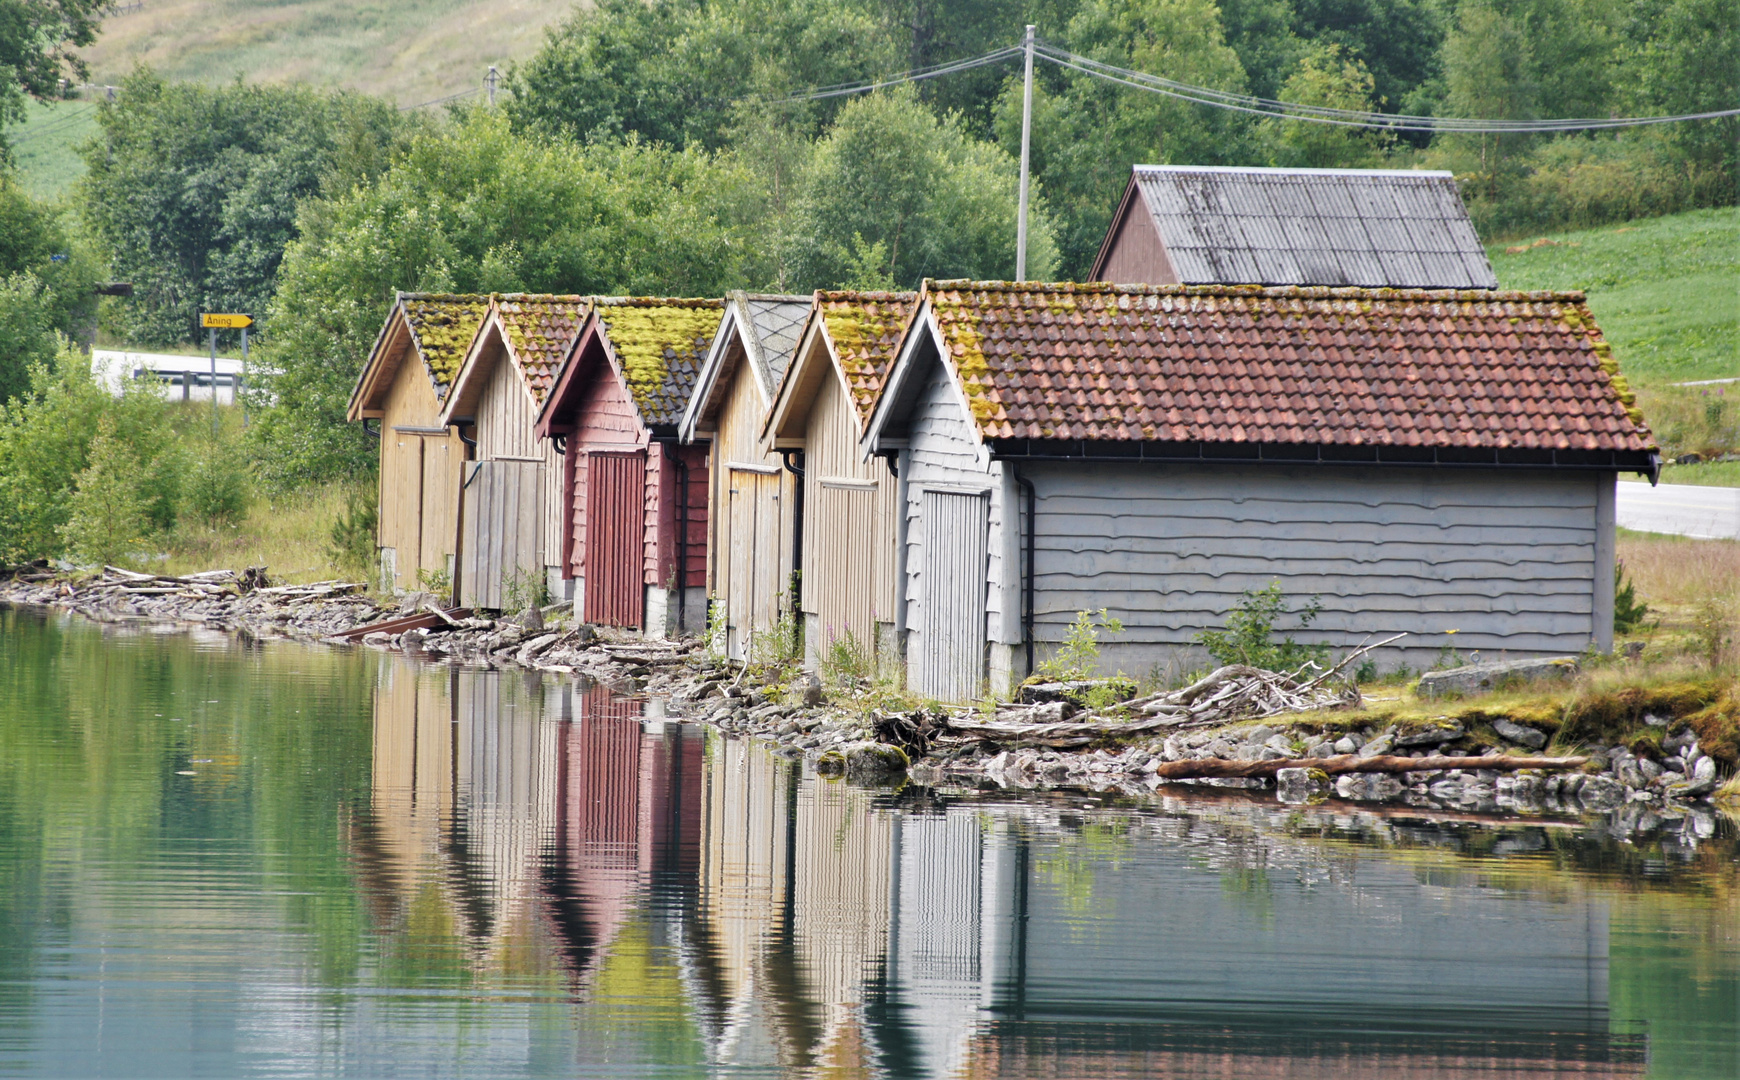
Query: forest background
point(675, 147)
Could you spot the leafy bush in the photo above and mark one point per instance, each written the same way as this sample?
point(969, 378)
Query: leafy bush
point(107, 518)
point(1249, 637)
point(523, 588)
point(352, 540)
point(1079, 655)
point(439, 582)
point(217, 486)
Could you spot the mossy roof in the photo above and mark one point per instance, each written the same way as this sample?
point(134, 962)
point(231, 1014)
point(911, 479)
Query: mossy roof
point(865, 328)
point(660, 343)
point(442, 326)
point(540, 328)
point(1463, 369)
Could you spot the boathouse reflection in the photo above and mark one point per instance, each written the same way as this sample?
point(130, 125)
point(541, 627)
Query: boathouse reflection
point(802, 926)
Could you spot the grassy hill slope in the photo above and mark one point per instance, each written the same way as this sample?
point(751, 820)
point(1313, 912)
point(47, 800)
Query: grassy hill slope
point(409, 50)
point(45, 145)
point(1665, 290)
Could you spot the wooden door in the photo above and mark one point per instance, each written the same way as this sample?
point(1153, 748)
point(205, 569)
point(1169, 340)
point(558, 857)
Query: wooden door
point(504, 530)
point(615, 539)
point(845, 535)
point(440, 512)
point(950, 660)
point(754, 570)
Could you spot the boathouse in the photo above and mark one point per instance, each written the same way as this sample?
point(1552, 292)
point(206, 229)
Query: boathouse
point(403, 384)
point(512, 489)
point(1434, 462)
point(633, 501)
point(752, 494)
point(846, 510)
point(1207, 225)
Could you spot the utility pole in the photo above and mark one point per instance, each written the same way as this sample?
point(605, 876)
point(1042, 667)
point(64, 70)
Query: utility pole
point(1026, 143)
point(214, 412)
point(489, 80)
point(241, 380)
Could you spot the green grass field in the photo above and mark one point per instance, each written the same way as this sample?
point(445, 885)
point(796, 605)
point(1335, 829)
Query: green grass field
point(45, 146)
point(409, 50)
point(1665, 290)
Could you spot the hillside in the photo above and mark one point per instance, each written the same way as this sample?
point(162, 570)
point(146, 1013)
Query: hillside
point(1666, 290)
point(410, 50)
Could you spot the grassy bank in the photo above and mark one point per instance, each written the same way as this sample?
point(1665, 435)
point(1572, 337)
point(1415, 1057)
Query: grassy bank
point(1706, 474)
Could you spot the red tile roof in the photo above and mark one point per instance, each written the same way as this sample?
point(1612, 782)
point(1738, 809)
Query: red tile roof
point(865, 328)
point(661, 343)
point(540, 328)
point(1247, 364)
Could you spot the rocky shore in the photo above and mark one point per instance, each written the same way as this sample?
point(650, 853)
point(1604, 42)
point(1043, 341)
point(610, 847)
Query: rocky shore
point(879, 742)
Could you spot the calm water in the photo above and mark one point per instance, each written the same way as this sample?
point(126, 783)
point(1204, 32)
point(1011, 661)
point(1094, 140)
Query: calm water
point(293, 861)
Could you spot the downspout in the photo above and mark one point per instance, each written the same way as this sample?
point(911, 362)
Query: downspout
point(1027, 570)
point(797, 525)
point(376, 432)
point(459, 424)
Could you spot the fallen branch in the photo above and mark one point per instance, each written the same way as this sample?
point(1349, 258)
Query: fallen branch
point(1201, 768)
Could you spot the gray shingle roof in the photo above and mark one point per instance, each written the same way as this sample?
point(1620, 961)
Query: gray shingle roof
point(1402, 229)
point(777, 321)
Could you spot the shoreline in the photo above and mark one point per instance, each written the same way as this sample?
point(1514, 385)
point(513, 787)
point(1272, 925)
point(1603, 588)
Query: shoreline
point(1641, 792)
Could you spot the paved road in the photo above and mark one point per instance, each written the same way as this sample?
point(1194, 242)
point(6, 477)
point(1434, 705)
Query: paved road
point(1685, 509)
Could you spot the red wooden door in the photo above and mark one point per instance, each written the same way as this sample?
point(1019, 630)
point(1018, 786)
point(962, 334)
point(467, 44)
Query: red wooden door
point(615, 539)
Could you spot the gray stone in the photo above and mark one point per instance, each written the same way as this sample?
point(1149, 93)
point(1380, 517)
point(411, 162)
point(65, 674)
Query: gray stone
point(805, 691)
point(1700, 779)
point(1484, 678)
point(1379, 745)
point(875, 763)
point(1519, 734)
point(1346, 745)
point(1281, 743)
point(1431, 736)
point(412, 602)
point(1298, 785)
point(531, 619)
point(1257, 734)
point(1601, 793)
point(1627, 772)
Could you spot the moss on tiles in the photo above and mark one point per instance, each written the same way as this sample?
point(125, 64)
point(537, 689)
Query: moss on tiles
point(649, 336)
point(443, 325)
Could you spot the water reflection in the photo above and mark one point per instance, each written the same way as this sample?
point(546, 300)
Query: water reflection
point(298, 862)
point(763, 920)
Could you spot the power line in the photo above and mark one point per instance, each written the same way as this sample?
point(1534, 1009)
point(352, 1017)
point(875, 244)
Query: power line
point(916, 74)
point(440, 100)
point(53, 127)
point(1283, 110)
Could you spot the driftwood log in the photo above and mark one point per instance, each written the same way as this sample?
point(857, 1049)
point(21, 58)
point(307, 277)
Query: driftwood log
point(1202, 768)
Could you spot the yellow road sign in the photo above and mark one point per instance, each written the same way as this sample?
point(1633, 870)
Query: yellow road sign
point(225, 322)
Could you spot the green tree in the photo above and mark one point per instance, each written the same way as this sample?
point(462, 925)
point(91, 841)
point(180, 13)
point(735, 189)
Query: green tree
point(27, 332)
point(893, 190)
point(1683, 61)
point(194, 188)
point(1488, 68)
point(476, 207)
point(1328, 77)
point(107, 512)
point(37, 39)
point(1398, 41)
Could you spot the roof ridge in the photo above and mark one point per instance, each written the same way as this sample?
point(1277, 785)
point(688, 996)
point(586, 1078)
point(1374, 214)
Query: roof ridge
point(1306, 292)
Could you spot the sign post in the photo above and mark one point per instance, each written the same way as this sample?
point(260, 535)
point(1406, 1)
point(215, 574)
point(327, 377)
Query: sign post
point(213, 322)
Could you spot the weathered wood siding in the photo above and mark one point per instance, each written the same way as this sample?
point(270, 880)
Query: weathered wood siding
point(945, 457)
point(504, 502)
point(419, 478)
point(751, 526)
point(950, 662)
point(849, 515)
point(505, 418)
point(1505, 559)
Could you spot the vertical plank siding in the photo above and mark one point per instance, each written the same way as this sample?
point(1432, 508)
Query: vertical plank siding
point(752, 524)
point(950, 662)
point(616, 491)
point(848, 567)
point(419, 478)
point(504, 501)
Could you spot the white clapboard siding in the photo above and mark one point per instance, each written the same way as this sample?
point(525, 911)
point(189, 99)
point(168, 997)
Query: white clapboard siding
point(1505, 559)
point(949, 663)
point(504, 507)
